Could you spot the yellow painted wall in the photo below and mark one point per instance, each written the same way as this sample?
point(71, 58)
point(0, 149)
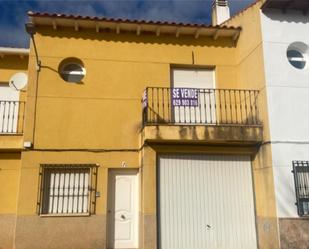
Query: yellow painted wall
point(11, 64)
point(250, 60)
point(31, 160)
point(251, 73)
point(10, 156)
point(9, 178)
point(104, 111)
point(10, 162)
point(119, 68)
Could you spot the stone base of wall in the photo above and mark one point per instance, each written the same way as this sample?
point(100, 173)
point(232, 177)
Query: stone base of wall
point(150, 232)
point(7, 227)
point(267, 233)
point(61, 232)
point(294, 233)
point(90, 232)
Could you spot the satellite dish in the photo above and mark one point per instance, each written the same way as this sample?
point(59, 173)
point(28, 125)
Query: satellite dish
point(18, 81)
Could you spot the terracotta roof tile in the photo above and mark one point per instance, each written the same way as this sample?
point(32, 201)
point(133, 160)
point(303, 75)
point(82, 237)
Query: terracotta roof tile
point(120, 20)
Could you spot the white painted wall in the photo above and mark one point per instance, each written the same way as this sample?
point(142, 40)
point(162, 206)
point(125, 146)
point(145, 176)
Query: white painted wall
point(288, 101)
point(8, 94)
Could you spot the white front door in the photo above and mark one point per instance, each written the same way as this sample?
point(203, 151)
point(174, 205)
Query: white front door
point(203, 80)
point(122, 209)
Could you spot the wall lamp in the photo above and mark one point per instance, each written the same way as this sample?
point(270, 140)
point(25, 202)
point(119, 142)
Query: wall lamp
point(30, 29)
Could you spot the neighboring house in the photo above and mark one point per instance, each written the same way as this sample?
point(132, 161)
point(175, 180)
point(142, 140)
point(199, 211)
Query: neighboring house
point(281, 38)
point(143, 134)
point(13, 61)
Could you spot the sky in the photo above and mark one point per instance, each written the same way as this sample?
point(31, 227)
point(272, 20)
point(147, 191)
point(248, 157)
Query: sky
point(13, 13)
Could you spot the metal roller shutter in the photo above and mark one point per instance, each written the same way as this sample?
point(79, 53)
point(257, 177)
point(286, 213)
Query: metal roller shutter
point(206, 202)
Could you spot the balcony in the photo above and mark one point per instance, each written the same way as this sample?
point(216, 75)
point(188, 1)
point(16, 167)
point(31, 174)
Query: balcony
point(11, 124)
point(201, 115)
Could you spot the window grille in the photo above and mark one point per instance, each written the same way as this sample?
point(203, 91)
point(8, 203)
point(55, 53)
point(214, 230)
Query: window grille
point(67, 189)
point(301, 179)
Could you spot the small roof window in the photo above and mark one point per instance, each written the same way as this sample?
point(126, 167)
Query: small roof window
point(297, 55)
point(72, 70)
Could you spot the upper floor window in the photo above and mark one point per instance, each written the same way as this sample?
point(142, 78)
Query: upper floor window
point(72, 70)
point(301, 178)
point(297, 55)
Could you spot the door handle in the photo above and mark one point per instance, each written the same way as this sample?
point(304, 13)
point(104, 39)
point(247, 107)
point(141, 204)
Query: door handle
point(122, 217)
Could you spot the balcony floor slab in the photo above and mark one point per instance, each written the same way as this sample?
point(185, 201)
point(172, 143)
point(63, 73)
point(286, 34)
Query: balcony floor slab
point(212, 134)
point(11, 142)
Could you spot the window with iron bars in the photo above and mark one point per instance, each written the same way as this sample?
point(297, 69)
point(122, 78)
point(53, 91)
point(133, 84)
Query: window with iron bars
point(67, 189)
point(301, 180)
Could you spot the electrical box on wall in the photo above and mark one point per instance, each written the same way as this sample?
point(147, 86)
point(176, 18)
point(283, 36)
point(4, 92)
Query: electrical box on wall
point(27, 144)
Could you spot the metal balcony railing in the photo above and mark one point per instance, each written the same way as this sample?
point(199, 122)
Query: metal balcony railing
point(200, 106)
point(11, 116)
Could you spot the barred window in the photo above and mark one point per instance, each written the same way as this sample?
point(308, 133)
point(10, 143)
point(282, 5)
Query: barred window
point(67, 189)
point(301, 179)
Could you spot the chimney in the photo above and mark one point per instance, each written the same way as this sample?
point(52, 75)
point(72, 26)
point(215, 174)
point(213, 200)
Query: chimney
point(220, 11)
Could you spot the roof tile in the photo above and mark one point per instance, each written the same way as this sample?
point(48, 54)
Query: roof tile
point(120, 20)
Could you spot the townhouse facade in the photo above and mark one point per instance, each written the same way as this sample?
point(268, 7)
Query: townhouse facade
point(12, 106)
point(144, 134)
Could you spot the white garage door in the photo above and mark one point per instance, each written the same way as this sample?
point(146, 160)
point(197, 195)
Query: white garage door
point(206, 202)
